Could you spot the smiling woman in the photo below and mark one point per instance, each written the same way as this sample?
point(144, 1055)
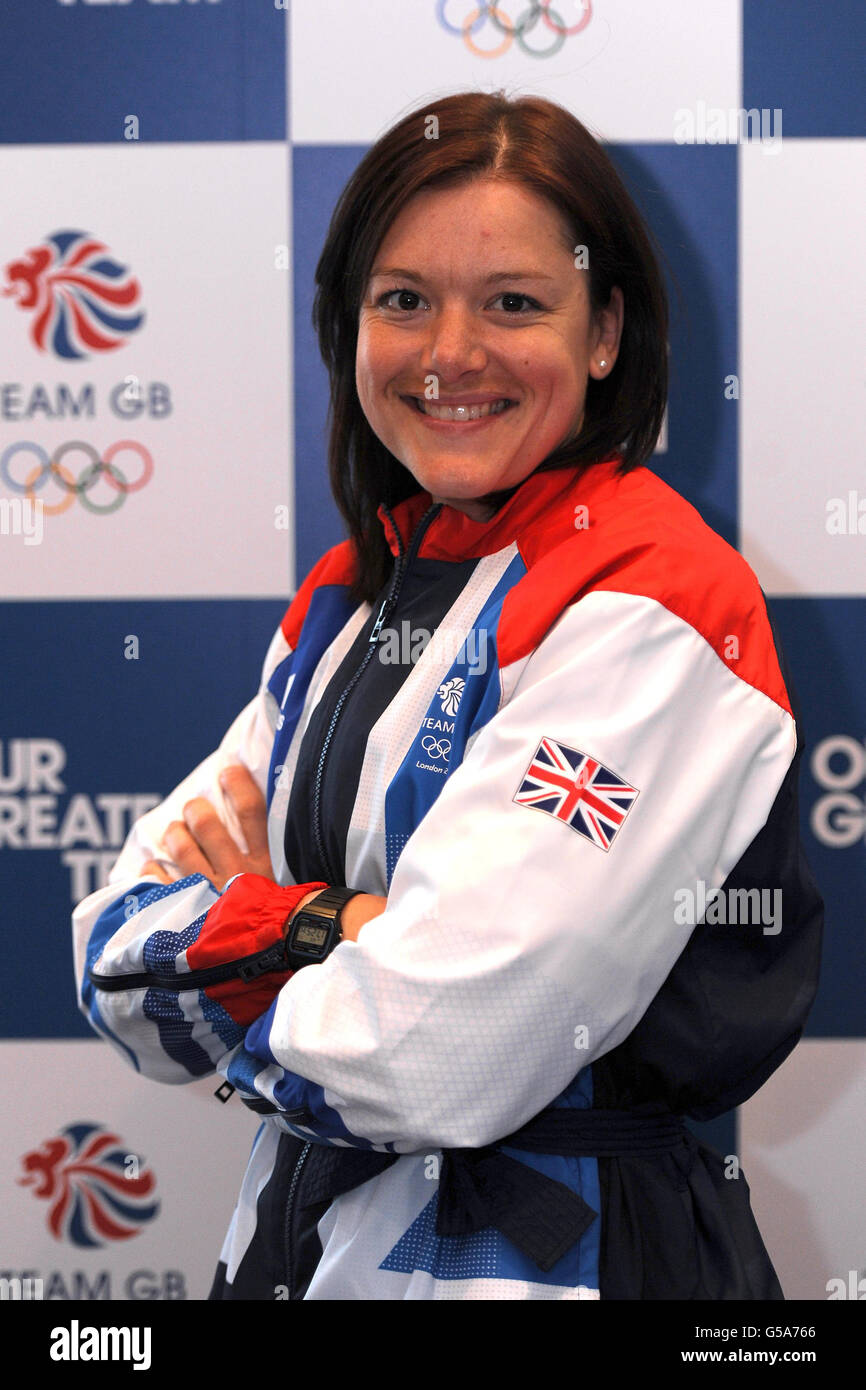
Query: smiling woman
point(470, 373)
point(515, 255)
point(423, 908)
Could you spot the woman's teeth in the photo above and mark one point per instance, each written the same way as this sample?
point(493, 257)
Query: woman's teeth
point(461, 412)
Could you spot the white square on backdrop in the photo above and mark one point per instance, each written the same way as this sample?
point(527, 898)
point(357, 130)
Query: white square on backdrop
point(190, 1150)
point(204, 230)
point(625, 73)
point(800, 1141)
point(802, 383)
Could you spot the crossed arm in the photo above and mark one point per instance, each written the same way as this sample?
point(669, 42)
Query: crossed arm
point(200, 844)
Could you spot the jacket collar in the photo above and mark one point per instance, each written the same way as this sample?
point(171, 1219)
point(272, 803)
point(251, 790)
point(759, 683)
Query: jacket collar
point(452, 535)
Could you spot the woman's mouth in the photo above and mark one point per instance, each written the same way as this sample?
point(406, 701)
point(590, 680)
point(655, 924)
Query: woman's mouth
point(458, 414)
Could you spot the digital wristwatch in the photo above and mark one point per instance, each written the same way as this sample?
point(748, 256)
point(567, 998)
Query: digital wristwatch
point(315, 930)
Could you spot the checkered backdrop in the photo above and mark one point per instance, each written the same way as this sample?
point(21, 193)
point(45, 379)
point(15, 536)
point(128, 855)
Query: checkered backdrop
point(168, 171)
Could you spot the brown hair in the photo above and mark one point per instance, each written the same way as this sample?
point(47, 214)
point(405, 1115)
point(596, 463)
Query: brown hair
point(526, 141)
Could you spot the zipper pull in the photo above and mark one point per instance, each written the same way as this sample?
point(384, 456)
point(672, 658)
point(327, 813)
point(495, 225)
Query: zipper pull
point(374, 635)
point(274, 959)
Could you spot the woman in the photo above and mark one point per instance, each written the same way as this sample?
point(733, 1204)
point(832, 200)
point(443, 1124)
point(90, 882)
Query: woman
point(509, 732)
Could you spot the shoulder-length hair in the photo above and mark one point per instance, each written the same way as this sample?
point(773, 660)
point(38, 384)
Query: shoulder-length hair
point(526, 141)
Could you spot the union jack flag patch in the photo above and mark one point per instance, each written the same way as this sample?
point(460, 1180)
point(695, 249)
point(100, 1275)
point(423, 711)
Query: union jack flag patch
point(577, 789)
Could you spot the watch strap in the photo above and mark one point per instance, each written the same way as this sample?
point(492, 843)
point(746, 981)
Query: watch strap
point(330, 902)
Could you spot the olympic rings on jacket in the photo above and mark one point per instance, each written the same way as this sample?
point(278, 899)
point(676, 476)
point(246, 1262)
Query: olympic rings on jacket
point(436, 747)
point(514, 28)
point(88, 478)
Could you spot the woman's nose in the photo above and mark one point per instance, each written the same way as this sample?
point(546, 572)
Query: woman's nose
point(455, 342)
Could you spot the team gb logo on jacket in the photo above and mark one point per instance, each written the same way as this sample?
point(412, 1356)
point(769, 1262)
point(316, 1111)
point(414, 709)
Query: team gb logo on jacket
point(573, 787)
point(450, 693)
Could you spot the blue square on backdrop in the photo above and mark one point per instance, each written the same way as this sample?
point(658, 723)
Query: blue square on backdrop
point(83, 730)
point(806, 60)
point(319, 175)
point(72, 73)
point(824, 640)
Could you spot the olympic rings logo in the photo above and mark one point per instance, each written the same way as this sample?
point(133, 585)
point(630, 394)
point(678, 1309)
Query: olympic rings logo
point(551, 22)
point(88, 478)
point(436, 747)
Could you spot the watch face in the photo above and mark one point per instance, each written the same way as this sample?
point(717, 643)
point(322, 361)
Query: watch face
point(311, 939)
point(309, 934)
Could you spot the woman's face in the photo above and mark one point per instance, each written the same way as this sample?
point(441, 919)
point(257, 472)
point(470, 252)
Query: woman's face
point(474, 294)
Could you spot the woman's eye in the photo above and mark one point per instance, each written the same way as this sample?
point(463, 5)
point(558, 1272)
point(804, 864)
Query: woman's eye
point(401, 296)
point(511, 296)
point(408, 301)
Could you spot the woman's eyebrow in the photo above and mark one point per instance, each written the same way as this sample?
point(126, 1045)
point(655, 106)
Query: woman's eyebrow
point(491, 279)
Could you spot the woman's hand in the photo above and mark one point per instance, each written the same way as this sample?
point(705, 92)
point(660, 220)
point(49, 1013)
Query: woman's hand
point(200, 843)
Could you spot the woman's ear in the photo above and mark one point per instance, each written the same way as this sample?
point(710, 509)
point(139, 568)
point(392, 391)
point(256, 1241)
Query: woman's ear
point(608, 334)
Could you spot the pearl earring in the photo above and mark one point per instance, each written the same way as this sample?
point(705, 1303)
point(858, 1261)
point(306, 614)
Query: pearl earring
point(602, 363)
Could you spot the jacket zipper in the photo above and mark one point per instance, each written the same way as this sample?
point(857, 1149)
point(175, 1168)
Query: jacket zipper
point(245, 968)
point(290, 1202)
point(403, 562)
point(389, 603)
